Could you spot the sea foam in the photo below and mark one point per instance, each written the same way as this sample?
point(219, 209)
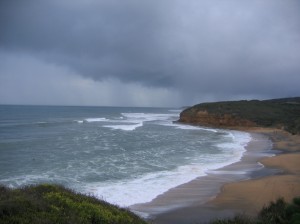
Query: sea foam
point(131, 121)
point(124, 155)
point(147, 187)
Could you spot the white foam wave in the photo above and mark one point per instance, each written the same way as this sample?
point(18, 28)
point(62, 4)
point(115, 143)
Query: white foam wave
point(131, 121)
point(124, 127)
point(236, 148)
point(90, 120)
point(95, 119)
point(146, 188)
point(240, 139)
point(147, 116)
point(41, 122)
point(189, 127)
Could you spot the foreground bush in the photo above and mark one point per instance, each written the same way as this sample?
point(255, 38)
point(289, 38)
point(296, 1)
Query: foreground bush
point(278, 212)
point(46, 204)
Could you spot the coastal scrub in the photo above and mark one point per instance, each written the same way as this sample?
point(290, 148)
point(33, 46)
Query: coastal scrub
point(277, 113)
point(55, 204)
point(278, 212)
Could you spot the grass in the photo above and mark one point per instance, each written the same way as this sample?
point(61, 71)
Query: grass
point(46, 204)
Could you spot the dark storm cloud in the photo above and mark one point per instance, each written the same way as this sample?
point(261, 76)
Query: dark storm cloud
point(222, 48)
point(99, 38)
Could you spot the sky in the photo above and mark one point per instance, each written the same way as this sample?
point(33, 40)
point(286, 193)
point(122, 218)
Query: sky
point(160, 53)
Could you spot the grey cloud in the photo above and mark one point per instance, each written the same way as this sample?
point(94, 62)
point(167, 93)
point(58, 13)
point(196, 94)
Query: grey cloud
point(102, 39)
point(222, 48)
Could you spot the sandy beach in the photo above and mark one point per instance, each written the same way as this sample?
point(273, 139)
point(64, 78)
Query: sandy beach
point(232, 190)
point(251, 195)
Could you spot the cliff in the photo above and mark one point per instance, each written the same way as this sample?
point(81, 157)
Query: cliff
point(207, 119)
point(277, 113)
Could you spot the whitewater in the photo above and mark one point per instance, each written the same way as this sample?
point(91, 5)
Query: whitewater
point(124, 155)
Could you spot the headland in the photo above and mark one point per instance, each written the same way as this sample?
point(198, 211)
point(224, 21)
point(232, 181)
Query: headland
point(221, 195)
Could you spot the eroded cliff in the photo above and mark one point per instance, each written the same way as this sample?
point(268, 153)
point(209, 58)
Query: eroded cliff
point(218, 120)
point(277, 113)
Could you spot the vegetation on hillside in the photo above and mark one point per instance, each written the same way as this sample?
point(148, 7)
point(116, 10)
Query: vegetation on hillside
point(278, 113)
point(278, 212)
point(47, 204)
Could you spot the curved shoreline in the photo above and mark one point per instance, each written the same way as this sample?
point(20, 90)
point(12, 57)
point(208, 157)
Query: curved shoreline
point(249, 196)
point(203, 189)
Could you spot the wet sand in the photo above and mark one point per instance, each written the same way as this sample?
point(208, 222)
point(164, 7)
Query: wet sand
point(244, 187)
point(251, 195)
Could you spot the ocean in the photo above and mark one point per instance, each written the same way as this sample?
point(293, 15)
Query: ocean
point(124, 155)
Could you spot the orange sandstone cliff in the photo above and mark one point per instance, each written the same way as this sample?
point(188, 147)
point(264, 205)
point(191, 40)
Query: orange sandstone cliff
point(218, 120)
point(276, 113)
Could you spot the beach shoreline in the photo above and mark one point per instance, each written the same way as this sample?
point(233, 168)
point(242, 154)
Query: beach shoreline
point(224, 193)
point(252, 195)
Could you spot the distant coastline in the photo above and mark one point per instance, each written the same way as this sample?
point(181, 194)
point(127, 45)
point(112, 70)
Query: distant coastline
point(250, 196)
point(283, 114)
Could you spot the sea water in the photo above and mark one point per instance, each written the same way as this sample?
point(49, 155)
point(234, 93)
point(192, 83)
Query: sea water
point(123, 155)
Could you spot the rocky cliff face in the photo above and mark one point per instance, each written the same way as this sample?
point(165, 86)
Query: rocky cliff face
point(275, 113)
point(202, 117)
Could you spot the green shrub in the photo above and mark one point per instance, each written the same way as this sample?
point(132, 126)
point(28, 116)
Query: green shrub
point(239, 219)
point(47, 204)
point(296, 201)
point(278, 212)
point(275, 212)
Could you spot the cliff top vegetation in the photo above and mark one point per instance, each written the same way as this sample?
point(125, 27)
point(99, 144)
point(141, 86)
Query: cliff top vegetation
point(278, 113)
